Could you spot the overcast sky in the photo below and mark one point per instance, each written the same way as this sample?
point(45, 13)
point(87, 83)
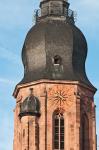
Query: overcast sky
point(16, 18)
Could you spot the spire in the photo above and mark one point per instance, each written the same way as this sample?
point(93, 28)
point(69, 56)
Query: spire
point(54, 9)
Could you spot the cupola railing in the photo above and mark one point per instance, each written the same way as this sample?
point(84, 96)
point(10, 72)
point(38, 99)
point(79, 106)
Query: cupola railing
point(54, 12)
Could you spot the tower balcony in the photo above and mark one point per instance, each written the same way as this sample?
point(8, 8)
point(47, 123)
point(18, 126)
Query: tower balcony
point(67, 14)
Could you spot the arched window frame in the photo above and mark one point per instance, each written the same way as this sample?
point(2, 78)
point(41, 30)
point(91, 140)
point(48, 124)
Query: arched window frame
point(58, 130)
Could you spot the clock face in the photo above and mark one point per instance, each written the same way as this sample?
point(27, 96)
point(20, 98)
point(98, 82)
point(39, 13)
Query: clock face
point(60, 95)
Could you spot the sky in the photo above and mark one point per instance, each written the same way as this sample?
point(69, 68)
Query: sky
point(16, 18)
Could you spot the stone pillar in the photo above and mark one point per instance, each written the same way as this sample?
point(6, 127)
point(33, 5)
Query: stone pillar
point(78, 116)
point(17, 129)
point(28, 133)
point(42, 123)
point(94, 128)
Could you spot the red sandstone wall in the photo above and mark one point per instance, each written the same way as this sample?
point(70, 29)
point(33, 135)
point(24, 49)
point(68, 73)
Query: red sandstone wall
point(75, 100)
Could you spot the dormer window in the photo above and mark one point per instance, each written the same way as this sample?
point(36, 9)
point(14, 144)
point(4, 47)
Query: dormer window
point(57, 60)
point(57, 67)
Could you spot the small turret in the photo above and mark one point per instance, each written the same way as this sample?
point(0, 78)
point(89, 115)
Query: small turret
point(30, 106)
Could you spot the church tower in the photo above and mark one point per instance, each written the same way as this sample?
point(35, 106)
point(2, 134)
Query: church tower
point(55, 107)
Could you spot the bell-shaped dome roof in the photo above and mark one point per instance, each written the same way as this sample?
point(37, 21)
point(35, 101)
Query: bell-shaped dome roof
point(54, 48)
point(30, 106)
point(47, 40)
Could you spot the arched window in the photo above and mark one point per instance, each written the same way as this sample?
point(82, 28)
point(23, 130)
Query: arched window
point(57, 60)
point(58, 129)
point(85, 132)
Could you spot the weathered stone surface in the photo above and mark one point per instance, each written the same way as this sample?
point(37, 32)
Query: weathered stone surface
point(60, 96)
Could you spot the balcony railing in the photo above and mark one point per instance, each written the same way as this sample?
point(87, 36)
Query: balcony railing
point(55, 11)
